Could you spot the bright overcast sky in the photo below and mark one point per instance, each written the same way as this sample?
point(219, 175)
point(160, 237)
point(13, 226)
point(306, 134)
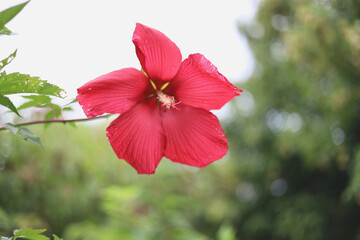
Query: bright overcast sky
point(69, 42)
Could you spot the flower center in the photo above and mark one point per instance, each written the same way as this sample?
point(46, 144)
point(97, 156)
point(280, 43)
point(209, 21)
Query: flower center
point(166, 100)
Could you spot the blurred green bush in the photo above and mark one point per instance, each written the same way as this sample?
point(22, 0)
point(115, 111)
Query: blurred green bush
point(78, 189)
point(298, 146)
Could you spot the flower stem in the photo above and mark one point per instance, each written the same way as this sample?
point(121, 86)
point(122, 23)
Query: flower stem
point(54, 121)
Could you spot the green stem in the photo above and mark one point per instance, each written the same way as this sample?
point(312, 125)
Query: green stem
point(53, 121)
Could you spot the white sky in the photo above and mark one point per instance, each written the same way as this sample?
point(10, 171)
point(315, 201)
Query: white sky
point(70, 42)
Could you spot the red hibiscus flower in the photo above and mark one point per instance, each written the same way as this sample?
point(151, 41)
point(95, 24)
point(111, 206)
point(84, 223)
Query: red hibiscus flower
point(164, 109)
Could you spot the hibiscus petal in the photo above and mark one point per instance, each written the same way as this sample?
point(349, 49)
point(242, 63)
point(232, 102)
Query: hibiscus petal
point(137, 136)
point(193, 136)
point(115, 92)
point(199, 84)
point(159, 56)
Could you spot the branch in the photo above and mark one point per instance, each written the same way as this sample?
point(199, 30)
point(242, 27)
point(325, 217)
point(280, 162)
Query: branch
point(54, 121)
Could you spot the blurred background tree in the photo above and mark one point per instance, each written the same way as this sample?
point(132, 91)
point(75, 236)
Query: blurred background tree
point(292, 171)
point(298, 151)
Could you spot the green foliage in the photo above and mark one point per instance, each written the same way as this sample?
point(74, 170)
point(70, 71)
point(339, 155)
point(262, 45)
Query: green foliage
point(24, 133)
point(36, 101)
point(23, 83)
point(298, 146)
point(45, 102)
point(8, 14)
point(15, 83)
point(30, 234)
point(101, 197)
point(5, 101)
point(7, 60)
point(5, 31)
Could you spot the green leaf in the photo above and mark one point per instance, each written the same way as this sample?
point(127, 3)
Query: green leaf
point(54, 113)
point(5, 31)
point(44, 101)
point(5, 101)
point(56, 110)
point(73, 101)
point(67, 109)
point(10, 13)
point(24, 133)
point(27, 135)
point(23, 83)
point(31, 234)
point(56, 237)
point(12, 128)
point(49, 115)
point(37, 101)
point(7, 60)
point(39, 98)
point(73, 124)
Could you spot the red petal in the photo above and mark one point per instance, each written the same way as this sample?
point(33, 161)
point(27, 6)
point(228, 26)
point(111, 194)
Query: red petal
point(115, 92)
point(199, 84)
point(193, 136)
point(159, 56)
point(137, 136)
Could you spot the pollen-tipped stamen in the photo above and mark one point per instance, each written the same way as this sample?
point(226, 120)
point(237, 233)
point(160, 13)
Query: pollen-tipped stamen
point(166, 100)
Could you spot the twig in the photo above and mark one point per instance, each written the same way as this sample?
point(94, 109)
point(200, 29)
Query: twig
point(53, 121)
